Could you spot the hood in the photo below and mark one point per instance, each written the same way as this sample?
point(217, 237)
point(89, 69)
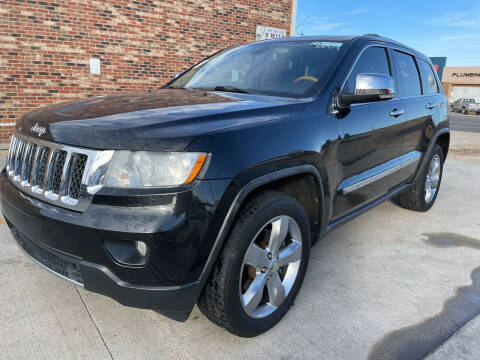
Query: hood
point(166, 119)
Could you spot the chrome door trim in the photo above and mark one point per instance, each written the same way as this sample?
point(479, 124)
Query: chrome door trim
point(379, 172)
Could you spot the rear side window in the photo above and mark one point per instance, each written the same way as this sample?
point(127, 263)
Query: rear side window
point(373, 60)
point(429, 82)
point(407, 75)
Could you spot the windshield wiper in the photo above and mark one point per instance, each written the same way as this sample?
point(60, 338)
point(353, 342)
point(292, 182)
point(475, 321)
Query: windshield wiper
point(229, 88)
point(226, 88)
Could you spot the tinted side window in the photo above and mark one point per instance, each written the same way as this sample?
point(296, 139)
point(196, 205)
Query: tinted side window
point(372, 60)
point(407, 75)
point(429, 82)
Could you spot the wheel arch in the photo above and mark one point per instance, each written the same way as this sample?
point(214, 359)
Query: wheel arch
point(303, 188)
point(442, 138)
point(277, 180)
point(444, 141)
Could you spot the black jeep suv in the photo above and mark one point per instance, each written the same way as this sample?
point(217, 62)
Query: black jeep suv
point(212, 189)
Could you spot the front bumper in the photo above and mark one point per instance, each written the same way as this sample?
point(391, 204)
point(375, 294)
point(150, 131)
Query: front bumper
point(177, 230)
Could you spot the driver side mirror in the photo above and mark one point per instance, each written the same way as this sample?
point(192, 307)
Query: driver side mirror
point(370, 87)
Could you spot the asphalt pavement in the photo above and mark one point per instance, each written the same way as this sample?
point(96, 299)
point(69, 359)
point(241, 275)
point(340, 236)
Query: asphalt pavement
point(460, 122)
point(391, 284)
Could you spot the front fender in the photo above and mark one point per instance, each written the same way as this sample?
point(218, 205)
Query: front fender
point(240, 197)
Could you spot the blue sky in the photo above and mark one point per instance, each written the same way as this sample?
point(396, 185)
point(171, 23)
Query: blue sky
point(436, 28)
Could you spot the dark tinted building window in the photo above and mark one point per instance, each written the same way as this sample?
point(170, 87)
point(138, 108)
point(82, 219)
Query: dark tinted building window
point(372, 60)
point(429, 82)
point(407, 75)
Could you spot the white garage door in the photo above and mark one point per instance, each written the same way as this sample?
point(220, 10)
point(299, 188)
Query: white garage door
point(468, 92)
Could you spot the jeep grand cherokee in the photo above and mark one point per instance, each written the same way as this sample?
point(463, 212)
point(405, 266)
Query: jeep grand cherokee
point(212, 189)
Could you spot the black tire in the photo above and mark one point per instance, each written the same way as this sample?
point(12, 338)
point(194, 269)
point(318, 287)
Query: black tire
point(464, 111)
point(220, 299)
point(414, 199)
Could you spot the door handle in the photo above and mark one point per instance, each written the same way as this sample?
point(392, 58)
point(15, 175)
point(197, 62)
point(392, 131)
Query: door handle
point(430, 106)
point(397, 112)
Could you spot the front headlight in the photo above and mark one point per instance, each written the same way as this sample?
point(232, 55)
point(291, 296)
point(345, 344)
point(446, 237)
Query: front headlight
point(136, 169)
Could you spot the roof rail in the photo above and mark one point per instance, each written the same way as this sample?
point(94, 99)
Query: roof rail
point(368, 34)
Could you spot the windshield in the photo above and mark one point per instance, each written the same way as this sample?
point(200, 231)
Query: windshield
point(286, 68)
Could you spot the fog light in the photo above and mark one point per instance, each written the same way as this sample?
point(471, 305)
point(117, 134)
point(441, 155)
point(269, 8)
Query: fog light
point(127, 252)
point(141, 248)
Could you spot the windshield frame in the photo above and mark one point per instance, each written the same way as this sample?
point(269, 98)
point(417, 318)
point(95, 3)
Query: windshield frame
point(316, 88)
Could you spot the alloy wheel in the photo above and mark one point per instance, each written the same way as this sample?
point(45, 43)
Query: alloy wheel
point(432, 179)
point(270, 266)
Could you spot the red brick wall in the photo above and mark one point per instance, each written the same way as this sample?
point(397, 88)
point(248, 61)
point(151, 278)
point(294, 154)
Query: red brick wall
point(45, 46)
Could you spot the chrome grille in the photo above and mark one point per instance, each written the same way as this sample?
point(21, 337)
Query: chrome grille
point(41, 164)
point(63, 175)
point(28, 163)
point(76, 174)
point(18, 157)
point(57, 167)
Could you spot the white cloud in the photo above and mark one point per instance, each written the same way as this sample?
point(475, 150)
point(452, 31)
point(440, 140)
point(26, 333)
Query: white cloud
point(356, 11)
point(459, 37)
point(467, 19)
point(323, 24)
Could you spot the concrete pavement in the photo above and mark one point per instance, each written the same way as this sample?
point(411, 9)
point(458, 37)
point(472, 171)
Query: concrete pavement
point(463, 345)
point(391, 284)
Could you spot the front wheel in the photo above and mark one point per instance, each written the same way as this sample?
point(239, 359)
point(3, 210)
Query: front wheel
point(261, 268)
point(464, 111)
point(423, 195)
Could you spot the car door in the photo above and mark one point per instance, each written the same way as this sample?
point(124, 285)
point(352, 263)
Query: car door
point(456, 104)
point(420, 106)
point(431, 87)
point(370, 140)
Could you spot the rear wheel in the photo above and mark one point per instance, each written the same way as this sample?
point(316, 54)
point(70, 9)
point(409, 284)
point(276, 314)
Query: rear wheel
point(464, 110)
point(261, 268)
point(423, 195)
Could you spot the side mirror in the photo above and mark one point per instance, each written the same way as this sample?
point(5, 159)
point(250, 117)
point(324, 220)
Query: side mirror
point(370, 87)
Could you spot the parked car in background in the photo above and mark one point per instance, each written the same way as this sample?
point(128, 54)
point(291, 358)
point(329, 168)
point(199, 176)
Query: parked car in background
point(466, 106)
point(212, 189)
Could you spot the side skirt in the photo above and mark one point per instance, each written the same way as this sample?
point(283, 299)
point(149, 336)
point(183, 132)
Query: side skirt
point(333, 225)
